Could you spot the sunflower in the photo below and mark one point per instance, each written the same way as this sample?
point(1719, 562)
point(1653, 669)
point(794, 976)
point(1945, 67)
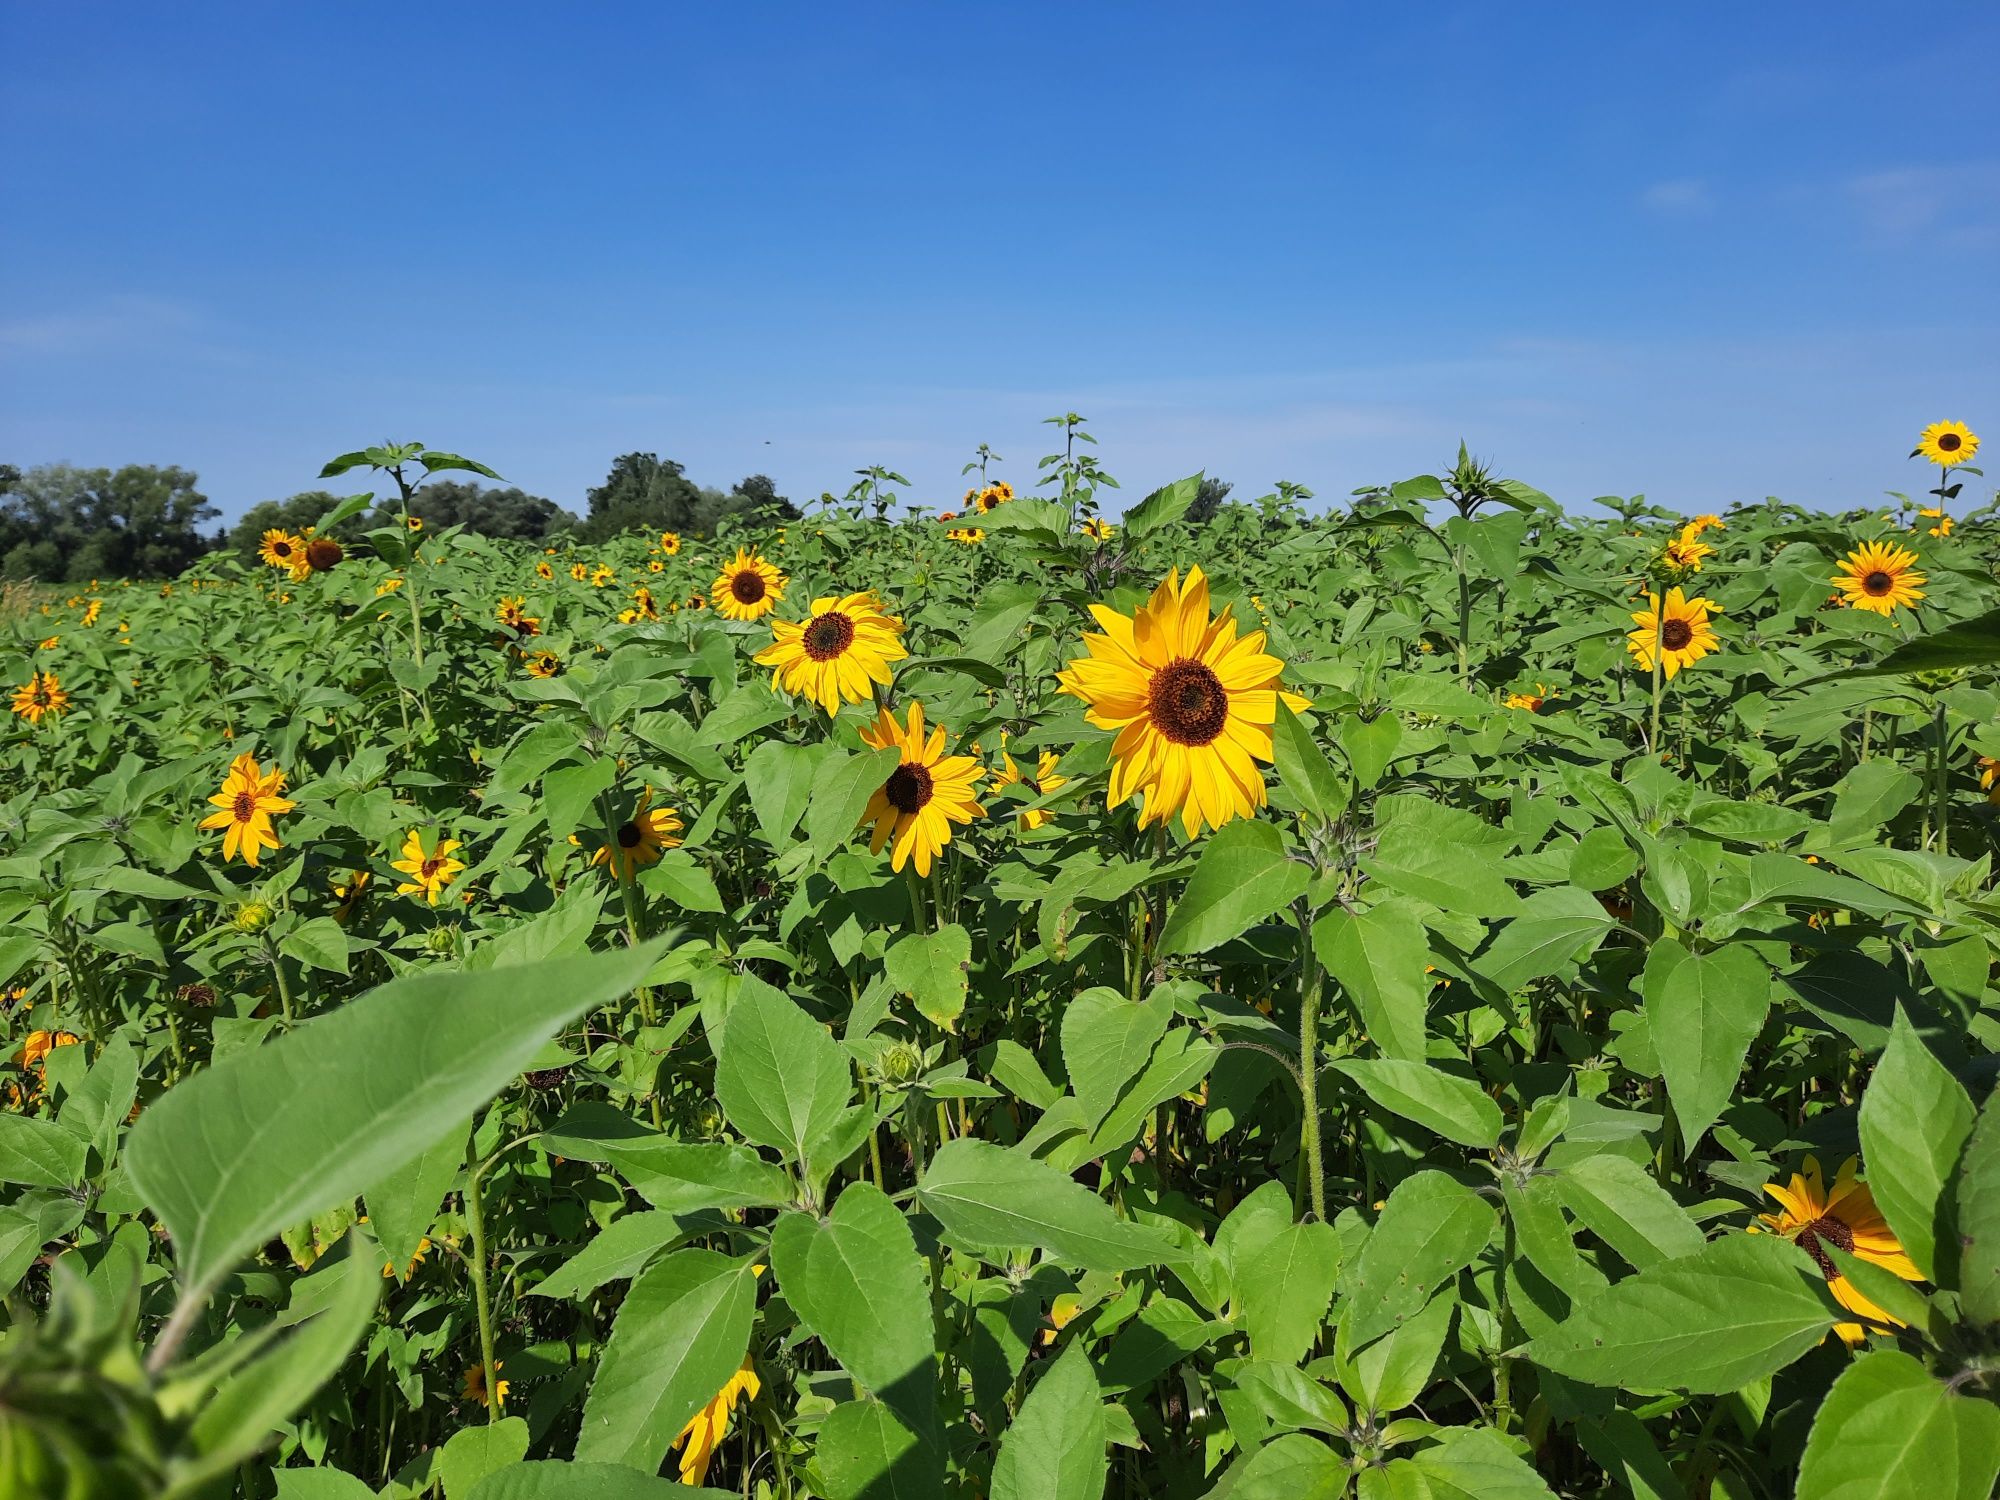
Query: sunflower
point(992, 496)
point(707, 1427)
point(1811, 1217)
point(349, 891)
point(415, 523)
point(1096, 530)
point(51, 643)
point(1947, 443)
point(387, 586)
point(41, 694)
point(475, 1384)
point(1988, 769)
point(947, 515)
point(1530, 702)
point(92, 611)
point(1681, 633)
point(429, 872)
point(579, 571)
point(643, 607)
point(640, 839)
point(833, 654)
point(424, 1249)
point(1044, 781)
point(670, 542)
point(544, 571)
point(970, 536)
point(747, 588)
point(1707, 522)
point(542, 663)
point(926, 793)
point(513, 613)
point(602, 574)
point(281, 548)
point(1942, 528)
point(1878, 577)
point(1685, 552)
point(1193, 705)
point(249, 800)
point(40, 1044)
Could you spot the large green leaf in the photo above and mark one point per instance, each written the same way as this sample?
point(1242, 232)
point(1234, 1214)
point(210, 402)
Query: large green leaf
point(864, 1453)
point(1889, 1429)
point(1417, 862)
point(1286, 1290)
point(1430, 1229)
point(1978, 1200)
point(1243, 876)
point(1555, 928)
point(781, 1078)
point(39, 1153)
point(1445, 1103)
point(841, 787)
point(990, 1199)
point(1467, 1463)
point(1303, 767)
point(1968, 643)
point(1055, 1448)
point(1915, 1118)
point(403, 1205)
point(1737, 1310)
point(933, 969)
point(472, 1454)
point(552, 1479)
point(269, 1137)
point(1378, 956)
point(1622, 1205)
point(1704, 1010)
point(1106, 1041)
point(1295, 1467)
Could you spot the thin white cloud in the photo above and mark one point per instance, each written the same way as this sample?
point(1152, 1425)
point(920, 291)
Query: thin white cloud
point(1950, 204)
point(1679, 198)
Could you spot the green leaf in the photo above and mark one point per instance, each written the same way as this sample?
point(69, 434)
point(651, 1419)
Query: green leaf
point(933, 969)
point(1054, 1450)
point(404, 1204)
point(1621, 1204)
point(346, 510)
point(1555, 928)
point(569, 797)
point(1737, 1310)
point(678, 877)
point(320, 1484)
point(552, 1479)
point(269, 1137)
point(1969, 643)
point(1163, 507)
point(1379, 956)
point(1287, 1289)
point(1704, 1011)
point(781, 1079)
point(1392, 1372)
point(619, 1251)
point(472, 1454)
point(1243, 876)
point(864, 1453)
point(1442, 1102)
point(779, 777)
point(1106, 1041)
point(39, 1153)
point(1416, 861)
point(1978, 1201)
point(1468, 1463)
point(1303, 767)
point(857, 1282)
point(319, 943)
point(1295, 1467)
point(1915, 1118)
point(992, 1199)
point(1370, 745)
point(680, 1176)
point(1888, 1429)
point(1430, 1229)
point(841, 788)
point(1602, 859)
point(681, 1333)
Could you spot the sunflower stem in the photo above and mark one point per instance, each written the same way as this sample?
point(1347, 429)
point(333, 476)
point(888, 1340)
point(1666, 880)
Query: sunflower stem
point(278, 968)
point(918, 922)
point(482, 1300)
point(1659, 681)
point(1309, 981)
point(1940, 781)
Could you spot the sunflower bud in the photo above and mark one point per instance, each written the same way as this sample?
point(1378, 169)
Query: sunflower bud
point(442, 940)
point(252, 916)
point(902, 1062)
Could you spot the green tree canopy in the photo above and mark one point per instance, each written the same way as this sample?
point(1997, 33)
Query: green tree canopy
point(58, 522)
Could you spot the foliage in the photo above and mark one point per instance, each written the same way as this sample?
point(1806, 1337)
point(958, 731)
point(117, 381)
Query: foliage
point(64, 524)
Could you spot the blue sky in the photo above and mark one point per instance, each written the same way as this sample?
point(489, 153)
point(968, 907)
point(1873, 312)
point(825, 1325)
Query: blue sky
point(1708, 252)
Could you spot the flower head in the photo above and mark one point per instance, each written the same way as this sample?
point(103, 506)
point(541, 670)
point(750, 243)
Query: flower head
point(970, 536)
point(41, 694)
point(513, 613)
point(542, 663)
point(1685, 552)
point(1679, 633)
point(1812, 1217)
point(475, 1384)
point(913, 810)
point(1947, 443)
point(833, 654)
point(281, 548)
point(1879, 577)
point(248, 801)
point(670, 542)
point(707, 1428)
point(1097, 530)
point(747, 587)
point(544, 571)
point(1045, 780)
point(430, 870)
point(640, 839)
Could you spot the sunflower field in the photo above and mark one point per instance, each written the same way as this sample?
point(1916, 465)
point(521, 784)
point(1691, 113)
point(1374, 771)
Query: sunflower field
point(1445, 996)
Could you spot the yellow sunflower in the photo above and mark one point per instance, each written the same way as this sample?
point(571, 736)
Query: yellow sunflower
point(707, 1427)
point(543, 571)
point(1192, 703)
point(429, 871)
point(1044, 781)
point(542, 663)
point(670, 542)
point(747, 588)
point(1680, 633)
point(41, 694)
point(1685, 552)
point(1879, 577)
point(1811, 1216)
point(1530, 702)
point(415, 523)
point(970, 536)
point(926, 793)
point(1941, 522)
point(643, 607)
point(1988, 769)
point(579, 571)
point(1097, 530)
point(249, 800)
point(602, 574)
point(281, 548)
point(1947, 443)
point(833, 654)
point(513, 613)
point(640, 839)
point(92, 611)
point(475, 1383)
point(349, 891)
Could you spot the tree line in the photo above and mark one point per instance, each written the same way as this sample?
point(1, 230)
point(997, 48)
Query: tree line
point(61, 523)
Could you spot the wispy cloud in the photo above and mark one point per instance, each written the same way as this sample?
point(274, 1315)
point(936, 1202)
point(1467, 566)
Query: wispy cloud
point(109, 324)
point(1951, 205)
point(1679, 198)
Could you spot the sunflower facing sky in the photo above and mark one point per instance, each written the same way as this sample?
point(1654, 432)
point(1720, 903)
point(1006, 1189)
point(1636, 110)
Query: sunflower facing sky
point(41, 694)
point(926, 793)
point(833, 654)
point(1812, 1216)
point(640, 839)
point(747, 587)
point(249, 800)
point(1879, 577)
point(430, 871)
point(1680, 633)
point(1192, 703)
point(1947, 443)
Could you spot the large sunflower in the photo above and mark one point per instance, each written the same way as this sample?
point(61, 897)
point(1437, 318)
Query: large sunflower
point(1193, 705)
point(1948, 443)
point(640, 839)
point(833, 654)
point(41, 694)
point(1680, 633)
point(281, 548)
point(926, 793)
point(249, 800)
point(1878, 577)
point(747, 588)
point(1813, 1217)
point(430, 871)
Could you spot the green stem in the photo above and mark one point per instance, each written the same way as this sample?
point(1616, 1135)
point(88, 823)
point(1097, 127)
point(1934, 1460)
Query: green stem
point(918, 922)
point(477, 1221)
point(284, 985)
point(1659, 686)
point(1941, 781)
point(1309, 982)
point(1464, 617)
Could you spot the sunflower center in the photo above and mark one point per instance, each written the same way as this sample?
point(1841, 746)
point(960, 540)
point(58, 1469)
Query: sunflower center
point(908, 788)
point(1878, 583)
point(747, 586)
point(430, 868)
point(1826, 1227)
point(1950, 442)
point(244, 808)
point(1675, 635)
point(629, 835)
point(1188, 702)
point(1032, 785)
point(828, 635)
point(283, 549)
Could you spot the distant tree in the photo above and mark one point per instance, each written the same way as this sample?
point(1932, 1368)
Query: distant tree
point(760, 500)
point(511, 512)
point(645, 491)
point(141, 521)
point(1208, 500)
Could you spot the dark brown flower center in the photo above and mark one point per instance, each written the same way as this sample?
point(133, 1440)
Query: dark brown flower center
point(283, 549)
point(1188, 702)
point(1950, 442)
point(908, 788)
point(629, 835)
point(244, 808)
point(747, 587)
point(828, 635)
point(1878, 583)
point(1676, 634)
point(323, 553)
point(1826, 1227)
point(430, 867)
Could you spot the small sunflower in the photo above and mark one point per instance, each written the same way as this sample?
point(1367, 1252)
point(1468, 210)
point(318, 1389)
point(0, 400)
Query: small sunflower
point(513, 613)
point(1192, 703)
point(602, 574)
point(835, 652)
point(92, 611)
point(1811, 1216)
point(926, 793)
point(969, 536)
point(1989, 768)
point(1680, 633)
point(475, 1384)
point(670, 542)
point(1530, 702)
point(1708, 521)
point(387, 586)
point(41, 694)
point(424, 1249)
point(544, 571)
point(707, 1428)
point(249, 800)
point(1097, 530)
point(430, 871)
point(349, 891)
point(1879, 577)
point(1941, 523)
point(1685, 552)
point(281, 548)
point(747, 588)
point(993, 496)
point(579, 571)
point(1044, 781)
point(415, 523)
point(642, 608)
point(542, 663)
point(1947, 443)
point(641, 839)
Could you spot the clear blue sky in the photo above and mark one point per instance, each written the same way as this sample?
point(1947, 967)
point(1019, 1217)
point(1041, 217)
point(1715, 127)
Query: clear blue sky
point(1704, 251)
